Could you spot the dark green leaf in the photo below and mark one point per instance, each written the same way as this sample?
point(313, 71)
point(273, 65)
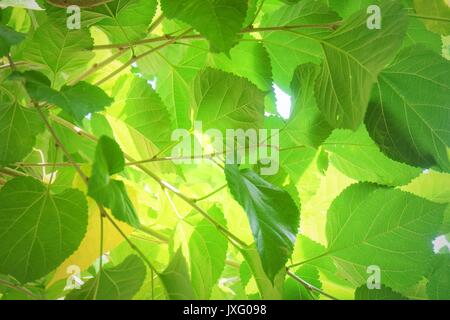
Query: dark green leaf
point(273, 216)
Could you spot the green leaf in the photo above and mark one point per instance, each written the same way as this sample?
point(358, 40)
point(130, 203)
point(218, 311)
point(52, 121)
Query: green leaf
point(8, 38)
point(438, 9)
point(174, 69)
point(78, 100)
point(409, 117)
point(306, 126)
point(417, 34)
point(207, 250)
point(122, 20)
point(38, 229)
point(438, 287)
point(356, 155)
point(248, 59)
point(61, 54)
point(273, 216)
point(120, 282)
point(290, 49)
point(111, 193)
point(368, 225)
point(354, 56)
point(175, 279)
point(140, 107)
point(18, 129)
point(218, 20)
point(296, 291)
point(225, 101)
point(384, 293)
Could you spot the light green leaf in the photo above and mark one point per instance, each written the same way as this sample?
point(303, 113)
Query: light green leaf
point(207, 250)
point(273, 216)
point(123, 21)
point(140, 107)
point(38, 229)
point(225, 101)
point(175, 279)
point(384, 293)
point(354, 56)
point(269, 289)
point(288, 50)
point(296, 291)
point(111, 193)
point(409, 114)
point(439, 9)
point(347, 8)
point(18, 129)
point(174, 68)
point(368, 225)
point(120, 282)
point(356, 155)
point(218, 20)
point(306, 125)
point(61, 54)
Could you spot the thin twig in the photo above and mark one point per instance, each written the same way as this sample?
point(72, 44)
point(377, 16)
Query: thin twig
point(167, 37)
point(19, 289)
point(307, 285)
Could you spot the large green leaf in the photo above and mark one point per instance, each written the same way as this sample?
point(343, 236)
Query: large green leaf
point(207, 250)
point(409, 114)
point(288, 50)
point(355, 154)
point(120, 282)
point(273, 216)
point(60, 53)
point(38, 229)
point(218, 20)
point(225, 101)
point(384, 293)
point(111, 193)
point(368, 225)
point(354, 56)
point(175, 279)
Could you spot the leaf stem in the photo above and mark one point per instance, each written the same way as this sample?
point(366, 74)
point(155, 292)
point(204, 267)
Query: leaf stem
point(211, 193)
point(429, 18)
point(307, 285)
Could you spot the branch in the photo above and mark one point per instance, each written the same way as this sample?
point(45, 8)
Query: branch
point(165, 185)
point(85, 180)
point(167, 37)
point(19, 289)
